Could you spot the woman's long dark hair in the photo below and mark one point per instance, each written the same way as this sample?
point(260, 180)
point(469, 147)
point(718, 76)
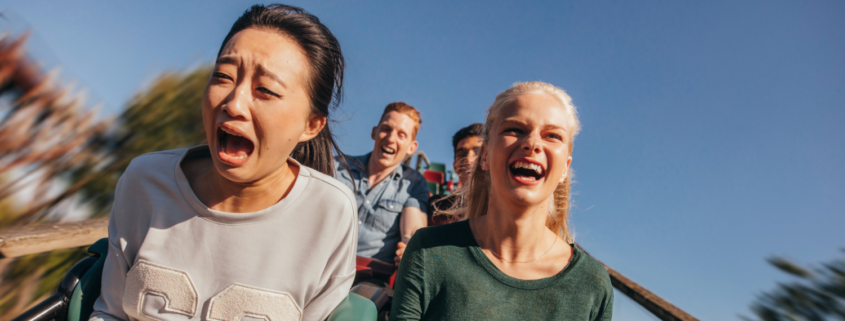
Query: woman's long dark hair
point(326, 84)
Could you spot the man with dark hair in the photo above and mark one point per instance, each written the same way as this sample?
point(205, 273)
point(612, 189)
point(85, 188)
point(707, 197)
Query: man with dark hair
point(467, 144)
point(392, 198)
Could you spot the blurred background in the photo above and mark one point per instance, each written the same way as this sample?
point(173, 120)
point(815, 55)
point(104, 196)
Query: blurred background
point(709, 169)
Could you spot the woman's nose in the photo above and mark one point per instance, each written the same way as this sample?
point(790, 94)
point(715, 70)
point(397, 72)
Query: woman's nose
point(531, 144)
point(238, 105)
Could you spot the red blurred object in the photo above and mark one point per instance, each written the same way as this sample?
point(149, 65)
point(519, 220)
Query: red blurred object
point(374, 280)
point(369, 268)
point(432, 176)
point(379, 267)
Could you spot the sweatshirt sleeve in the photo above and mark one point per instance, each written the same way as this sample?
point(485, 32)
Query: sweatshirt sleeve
point(125, 235)
point(409, 298)
point(340, 270)
point(109, 305)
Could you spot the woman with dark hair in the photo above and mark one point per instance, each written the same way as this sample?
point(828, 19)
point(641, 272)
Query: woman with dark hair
point(251, 225)
point(514, 257)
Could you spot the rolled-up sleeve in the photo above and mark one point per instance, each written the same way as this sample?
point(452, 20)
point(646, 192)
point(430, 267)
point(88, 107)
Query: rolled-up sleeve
point(418, 193)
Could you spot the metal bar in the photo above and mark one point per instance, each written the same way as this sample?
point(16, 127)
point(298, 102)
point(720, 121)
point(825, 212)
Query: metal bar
point(47, 237)
point(420, 158)
point(656, 305)
point(44, 311)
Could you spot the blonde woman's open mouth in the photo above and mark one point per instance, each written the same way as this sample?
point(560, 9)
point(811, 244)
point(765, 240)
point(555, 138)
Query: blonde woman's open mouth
point(527, 171)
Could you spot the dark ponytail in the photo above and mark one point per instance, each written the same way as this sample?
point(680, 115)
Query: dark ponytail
point(325, 86)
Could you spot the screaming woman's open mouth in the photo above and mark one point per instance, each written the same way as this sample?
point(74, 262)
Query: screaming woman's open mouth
point(233, 148)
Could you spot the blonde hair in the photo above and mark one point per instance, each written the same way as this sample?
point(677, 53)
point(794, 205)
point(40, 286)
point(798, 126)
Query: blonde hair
point(471, 201)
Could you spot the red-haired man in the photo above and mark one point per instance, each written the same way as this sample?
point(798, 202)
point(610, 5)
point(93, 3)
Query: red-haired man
point(392, 198)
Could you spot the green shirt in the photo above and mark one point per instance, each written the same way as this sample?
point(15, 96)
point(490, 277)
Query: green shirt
point(444, 275)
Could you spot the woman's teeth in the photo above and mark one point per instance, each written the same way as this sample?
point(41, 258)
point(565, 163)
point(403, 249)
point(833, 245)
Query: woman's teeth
point(536, 168)
point(230, 133)
point(238, 157)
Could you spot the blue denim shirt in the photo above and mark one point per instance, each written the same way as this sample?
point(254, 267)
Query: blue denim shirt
point(380, 206)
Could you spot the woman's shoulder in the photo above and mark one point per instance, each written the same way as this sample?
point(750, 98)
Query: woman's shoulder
point(457, 234)
point(590, 270)
point(155, 168)
point(326, 187)
point(155, 161)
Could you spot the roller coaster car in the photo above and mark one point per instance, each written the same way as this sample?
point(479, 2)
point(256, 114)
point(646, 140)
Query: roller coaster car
point(369, 299)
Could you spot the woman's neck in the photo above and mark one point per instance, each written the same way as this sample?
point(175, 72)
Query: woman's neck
point(514, 233)
point(221, 194)
point(516, 240)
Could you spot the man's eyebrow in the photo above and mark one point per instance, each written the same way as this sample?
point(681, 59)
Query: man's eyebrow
point(264, 71)
point(232, 60)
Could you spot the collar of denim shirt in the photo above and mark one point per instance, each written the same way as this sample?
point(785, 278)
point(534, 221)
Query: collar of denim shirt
point(365, 159)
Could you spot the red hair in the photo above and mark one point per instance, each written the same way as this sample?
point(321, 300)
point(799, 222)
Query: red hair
point(405, 109)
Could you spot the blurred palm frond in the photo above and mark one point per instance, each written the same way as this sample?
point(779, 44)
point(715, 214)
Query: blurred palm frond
point(815, 294)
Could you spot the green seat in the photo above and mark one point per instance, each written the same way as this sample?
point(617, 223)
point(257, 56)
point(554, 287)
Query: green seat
point(434, 188)
point(354, 307)
point(81, 303)
point(437, 167)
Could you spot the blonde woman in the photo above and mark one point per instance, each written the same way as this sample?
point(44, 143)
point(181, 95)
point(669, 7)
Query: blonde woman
point(514, 258)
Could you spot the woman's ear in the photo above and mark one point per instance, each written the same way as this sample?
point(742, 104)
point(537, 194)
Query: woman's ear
point(313, 127)
point(566, 172)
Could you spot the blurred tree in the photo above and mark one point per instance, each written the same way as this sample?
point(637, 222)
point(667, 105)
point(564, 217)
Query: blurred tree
point(45, 133)
point(168, 115)
point(44, 130)
point(817, 294)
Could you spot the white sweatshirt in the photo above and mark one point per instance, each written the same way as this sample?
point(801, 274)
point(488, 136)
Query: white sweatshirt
point(172, 258)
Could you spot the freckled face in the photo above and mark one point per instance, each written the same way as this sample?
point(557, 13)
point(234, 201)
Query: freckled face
point(527, 153)
point(256, 106)
point(394, 139)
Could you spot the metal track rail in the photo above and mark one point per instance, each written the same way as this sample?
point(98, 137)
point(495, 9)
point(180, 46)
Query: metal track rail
point(25, 240)
point(48, 237)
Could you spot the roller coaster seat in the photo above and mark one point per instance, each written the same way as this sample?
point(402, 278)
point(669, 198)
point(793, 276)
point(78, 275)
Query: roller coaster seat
point(437, 177)
point(74, 300)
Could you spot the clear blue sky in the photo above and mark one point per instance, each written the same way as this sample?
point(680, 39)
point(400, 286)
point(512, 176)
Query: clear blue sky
point(713, 133)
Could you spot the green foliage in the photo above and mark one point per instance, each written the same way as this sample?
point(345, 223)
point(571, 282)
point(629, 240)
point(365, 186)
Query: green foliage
point(816, 294)
point(167, 115)
point(35, 276)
